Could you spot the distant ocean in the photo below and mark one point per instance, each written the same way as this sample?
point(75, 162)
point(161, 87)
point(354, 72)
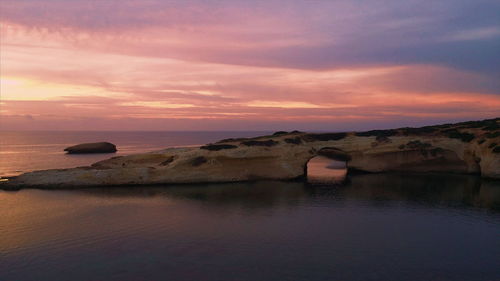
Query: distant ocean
point(27, 151)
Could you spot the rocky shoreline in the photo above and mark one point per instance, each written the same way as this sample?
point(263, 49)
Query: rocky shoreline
point(467, 148)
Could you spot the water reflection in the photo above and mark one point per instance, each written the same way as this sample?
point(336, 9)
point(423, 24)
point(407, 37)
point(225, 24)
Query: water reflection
point(428, 189)
point(375, 227)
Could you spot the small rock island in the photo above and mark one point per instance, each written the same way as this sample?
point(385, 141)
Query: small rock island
point(96, 147)
point(468, 147)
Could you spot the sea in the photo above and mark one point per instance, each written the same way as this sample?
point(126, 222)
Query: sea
point(369, 227)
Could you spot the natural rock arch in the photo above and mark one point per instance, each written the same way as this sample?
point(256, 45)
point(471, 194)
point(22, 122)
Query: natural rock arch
point(323, 174)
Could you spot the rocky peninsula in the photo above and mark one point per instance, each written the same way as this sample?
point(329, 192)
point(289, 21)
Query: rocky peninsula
point(468, 148)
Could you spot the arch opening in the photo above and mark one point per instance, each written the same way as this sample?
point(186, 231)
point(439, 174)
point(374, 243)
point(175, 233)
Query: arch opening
point(328, 167)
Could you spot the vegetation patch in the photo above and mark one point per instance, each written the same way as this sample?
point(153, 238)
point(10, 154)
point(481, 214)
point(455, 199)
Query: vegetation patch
point(493, 135)
point(260, 143)
point(492, 145)
point(116, 157)
point(168, 161)
point(198, 161)
point(416, 144)
point(481, 141)
point(424, 148)
point(455, 134)
point(496, 149)
point(324, 137)
point(488, 125)
point(377, 133)
point(443, 126)
point(232, 140)
point(419, 131)
point(472, 124)
point(382, 139)
point(492, 127)
point(217, 147)
point(295, 140)
point(280, 133)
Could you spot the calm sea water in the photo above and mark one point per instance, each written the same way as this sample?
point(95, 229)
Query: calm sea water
point(374, 227)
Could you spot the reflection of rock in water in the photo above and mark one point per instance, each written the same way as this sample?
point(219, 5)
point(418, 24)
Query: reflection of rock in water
point(247, 195)
point(459, 191)
point(384, 190)
point(325, 171)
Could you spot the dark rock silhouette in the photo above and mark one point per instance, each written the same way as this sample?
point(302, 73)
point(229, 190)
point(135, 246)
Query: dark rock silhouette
point(96, 147)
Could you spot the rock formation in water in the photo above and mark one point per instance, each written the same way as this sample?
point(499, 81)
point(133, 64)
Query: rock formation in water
point(468, 147)
point(96, 147)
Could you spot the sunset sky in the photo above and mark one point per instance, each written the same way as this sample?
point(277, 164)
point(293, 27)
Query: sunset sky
point(247, 65)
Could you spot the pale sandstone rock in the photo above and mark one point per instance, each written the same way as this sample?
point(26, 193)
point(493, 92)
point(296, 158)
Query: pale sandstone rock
point(283, 157)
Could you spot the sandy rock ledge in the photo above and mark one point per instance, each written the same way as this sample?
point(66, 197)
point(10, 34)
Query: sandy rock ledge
point(469, 148)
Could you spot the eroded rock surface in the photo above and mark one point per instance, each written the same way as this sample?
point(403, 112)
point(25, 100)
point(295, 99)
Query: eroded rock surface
point(469, 147)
